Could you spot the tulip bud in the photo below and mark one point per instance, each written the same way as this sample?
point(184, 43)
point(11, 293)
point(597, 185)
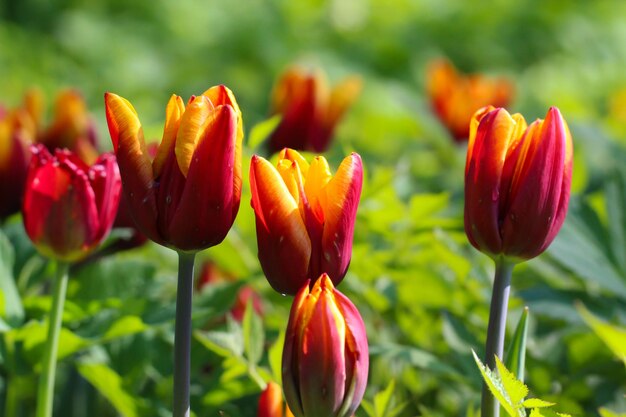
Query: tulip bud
point(69, 207)
point(455, 97)
point(188, 196)
point(310, 110)
point(271, 401)
point(517, 182)
point(325, 358)
point(304, 217)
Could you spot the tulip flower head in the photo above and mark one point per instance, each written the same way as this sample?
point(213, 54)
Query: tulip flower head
point(271, 402)
point(188, 196)
point(517, 182)
point(304, 217)
point(16, 135)
point(310, 110)
point(69, 207)
point(455, 97)
point(325, 357)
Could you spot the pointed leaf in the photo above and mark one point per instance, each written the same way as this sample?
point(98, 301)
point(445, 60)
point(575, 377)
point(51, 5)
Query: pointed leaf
point(253, 335)
point(516, 354)
point(497, 389)
point(614, 337)
point(109, 384)
point(537, 403)
point(262, 130)
point(11, 308)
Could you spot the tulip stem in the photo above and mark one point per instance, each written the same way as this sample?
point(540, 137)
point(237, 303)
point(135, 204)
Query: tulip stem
point(496, 329)
point(182, 335)
point(45, 391)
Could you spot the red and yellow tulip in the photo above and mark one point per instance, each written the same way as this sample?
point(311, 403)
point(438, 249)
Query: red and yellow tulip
point(188, 196)
point(309, 108)
point(517, 182)
point(69, 207)
point(271, 402)
point(304, 217)
point(325, 357)
point(455, 97)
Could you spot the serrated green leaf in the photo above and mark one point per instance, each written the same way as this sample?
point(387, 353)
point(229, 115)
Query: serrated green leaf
point(516, 353)
point(537, 403)
point(536, 412)
point(614, 337)
point(262, 130)
point(253, 335)
point(109, 385)
point(516, 389)
point(498, 390)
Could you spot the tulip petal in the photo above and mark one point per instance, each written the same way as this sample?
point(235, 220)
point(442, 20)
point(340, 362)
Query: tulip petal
point(284, 245)
point(173, 113)
point(197, 116)
point(134, 162)
point(271, 401)
point(203, 216)
point(483, 173)
point(294, 156)
point(340, 200)
point(104, 177)
point(540, 186)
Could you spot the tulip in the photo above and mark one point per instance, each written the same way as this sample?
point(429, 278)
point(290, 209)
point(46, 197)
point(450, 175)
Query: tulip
point(310, 110)
point(325, 357)
point(69, 207)
point(304, 217)
point(455, 97)
point(188, 196)
point(517, 182)
point(517, 187)
point(16, 135)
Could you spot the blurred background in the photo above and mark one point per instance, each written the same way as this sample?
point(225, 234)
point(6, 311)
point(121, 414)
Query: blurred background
point(423, 291)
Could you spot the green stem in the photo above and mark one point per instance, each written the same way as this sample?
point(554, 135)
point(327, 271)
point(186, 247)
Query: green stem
point(12, 397)
point(45, 391)
point(182, 335)
point(496, 329)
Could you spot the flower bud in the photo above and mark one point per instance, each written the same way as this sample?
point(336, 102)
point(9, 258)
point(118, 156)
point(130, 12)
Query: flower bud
point(69, 207)
point(325, 357)
point(304, 217)
point(188, 196)
point(517, 182)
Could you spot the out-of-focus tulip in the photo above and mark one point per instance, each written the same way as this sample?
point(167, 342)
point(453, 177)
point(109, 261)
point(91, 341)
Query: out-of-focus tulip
point(271, 402)
point(69, 207)
point(72, 126)
point(188, 196)
point(310, 110)
point(304, 217)
point(16, 134)
point(456, 97)
point(517, 182)
point(210, 273)
point(325, 358)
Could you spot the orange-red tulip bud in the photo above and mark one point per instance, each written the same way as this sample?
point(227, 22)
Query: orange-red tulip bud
point(517, 182)
point(309, 108)
point(325, 358)
point(188, 196)
point(304, 217)
point(455, 97)
point(69, 207)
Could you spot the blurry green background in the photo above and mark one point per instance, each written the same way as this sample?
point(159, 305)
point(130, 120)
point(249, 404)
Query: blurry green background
point(423, 291)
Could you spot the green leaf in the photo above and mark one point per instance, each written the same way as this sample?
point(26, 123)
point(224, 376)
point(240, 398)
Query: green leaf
point(109, 384)
point(11, 308)
point(514, 388)
point(34, 335)
point(262, 130)
point(384, 402)
point(224, 343)
point(124, 326)
point(605, 412)
point(614, 337)
point(537, 403)
point(275, 356)
point(615, 200)
point(516, 354)
point(253, 335)
point(499, 390)
point(415, 357)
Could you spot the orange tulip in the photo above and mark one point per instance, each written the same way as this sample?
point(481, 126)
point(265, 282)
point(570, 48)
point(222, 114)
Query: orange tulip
point(188, 196)
point(310, 110)
point(517, 182)
point(455, 97)
point(304, 217)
